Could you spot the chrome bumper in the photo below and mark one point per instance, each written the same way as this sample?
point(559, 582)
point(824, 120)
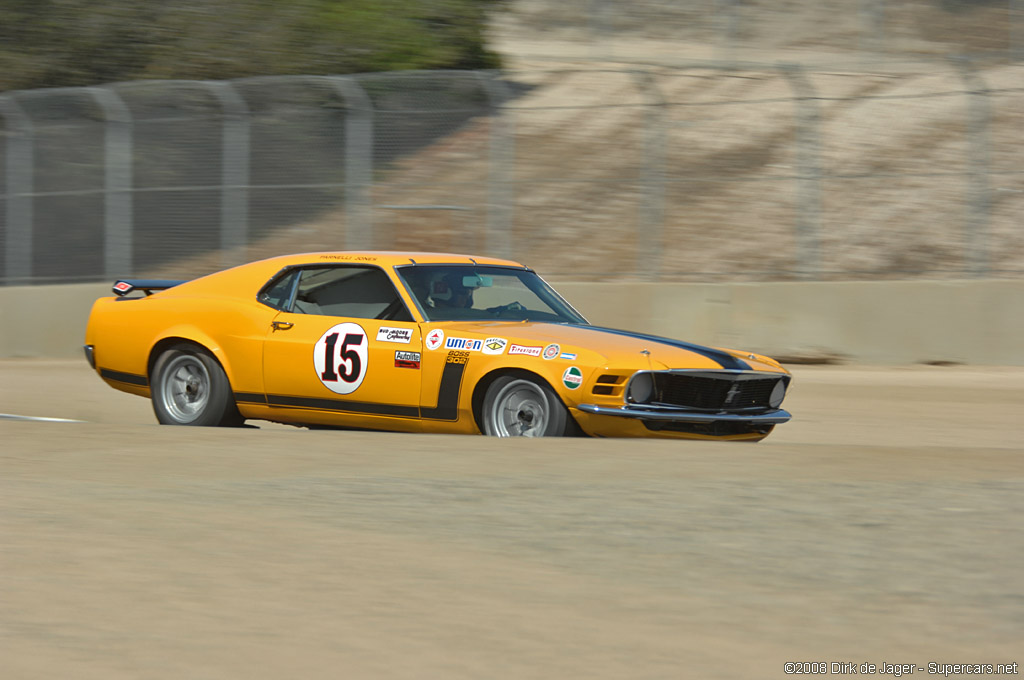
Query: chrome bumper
point(683, 416)
point(90, 354)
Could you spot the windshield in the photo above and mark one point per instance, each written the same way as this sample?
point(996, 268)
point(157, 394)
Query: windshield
point(481, 293)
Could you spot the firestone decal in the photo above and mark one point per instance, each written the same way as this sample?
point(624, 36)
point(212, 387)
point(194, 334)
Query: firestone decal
point(494, 345)
point(340, 358)
point(572, 378)
point(521, 349)
point(434, 339)
point(552, 351)
point(464, 343)
point(388, 334)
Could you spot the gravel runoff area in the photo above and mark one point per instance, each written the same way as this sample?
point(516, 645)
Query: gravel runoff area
point(882, 525)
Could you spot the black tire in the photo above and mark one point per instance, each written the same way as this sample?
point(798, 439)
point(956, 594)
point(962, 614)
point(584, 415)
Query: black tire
point(189, 387)
point(517, 406)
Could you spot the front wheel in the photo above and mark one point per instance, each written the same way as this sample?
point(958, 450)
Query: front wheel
point(190, 388)
point(521, 407)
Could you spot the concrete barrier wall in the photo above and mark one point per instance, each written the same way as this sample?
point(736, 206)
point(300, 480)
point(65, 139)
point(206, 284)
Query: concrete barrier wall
point(901, 322)
point(869, 322)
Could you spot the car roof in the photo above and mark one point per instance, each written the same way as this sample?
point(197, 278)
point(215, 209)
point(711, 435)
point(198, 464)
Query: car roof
point(386, 258)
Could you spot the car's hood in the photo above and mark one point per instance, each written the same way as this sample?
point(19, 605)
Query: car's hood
point(608, 346)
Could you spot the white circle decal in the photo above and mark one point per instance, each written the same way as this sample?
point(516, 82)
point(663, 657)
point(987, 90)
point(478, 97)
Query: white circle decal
point(340, 357)
point(434, 338)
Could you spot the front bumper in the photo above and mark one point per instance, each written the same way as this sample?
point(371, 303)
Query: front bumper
point(676, 415)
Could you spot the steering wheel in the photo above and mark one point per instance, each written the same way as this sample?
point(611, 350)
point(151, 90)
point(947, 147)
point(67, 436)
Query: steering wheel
point(510, 307)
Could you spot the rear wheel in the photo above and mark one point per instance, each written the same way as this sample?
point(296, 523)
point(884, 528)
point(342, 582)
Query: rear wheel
point(515, 406)
point(189, 387)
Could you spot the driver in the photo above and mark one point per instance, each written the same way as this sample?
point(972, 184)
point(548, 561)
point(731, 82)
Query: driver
point(449, 291)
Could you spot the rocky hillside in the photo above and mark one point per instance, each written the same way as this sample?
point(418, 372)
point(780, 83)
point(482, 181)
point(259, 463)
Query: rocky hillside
point(662, 141)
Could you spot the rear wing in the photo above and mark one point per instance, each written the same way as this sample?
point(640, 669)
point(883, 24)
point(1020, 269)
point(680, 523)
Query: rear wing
point(148, 286)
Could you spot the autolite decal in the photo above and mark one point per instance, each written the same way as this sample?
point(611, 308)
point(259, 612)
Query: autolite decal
point(528, 351)
point(407, 359)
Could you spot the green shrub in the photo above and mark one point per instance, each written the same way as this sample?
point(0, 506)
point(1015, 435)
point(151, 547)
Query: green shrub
point(55, 43)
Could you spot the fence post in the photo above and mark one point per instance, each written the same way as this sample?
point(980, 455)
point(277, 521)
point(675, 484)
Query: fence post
point(117, 188)
point(501, 152)
point(872, 28)
point(19, 172)
point(727, 28)
point(234, 202)
point(652, 208)
point(599, 35)
point(979, 202)
point(1016, 30)
point(808, 139)
point(358, 162)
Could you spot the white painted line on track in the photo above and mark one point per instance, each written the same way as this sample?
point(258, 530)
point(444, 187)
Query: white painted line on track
point(41, 419)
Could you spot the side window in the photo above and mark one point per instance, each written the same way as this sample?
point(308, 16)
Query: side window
point(357, 292)
point(277, 293)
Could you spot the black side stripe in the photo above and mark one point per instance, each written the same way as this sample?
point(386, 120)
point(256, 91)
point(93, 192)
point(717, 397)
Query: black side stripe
point(129, 378)
point(447, 401)
point(343, 406)
point(447, 394)
point(724, 359)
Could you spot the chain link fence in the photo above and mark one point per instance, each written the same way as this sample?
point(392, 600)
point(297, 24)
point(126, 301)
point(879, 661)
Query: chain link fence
point(698, 172)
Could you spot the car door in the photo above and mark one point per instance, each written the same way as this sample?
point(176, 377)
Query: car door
point(344, 351)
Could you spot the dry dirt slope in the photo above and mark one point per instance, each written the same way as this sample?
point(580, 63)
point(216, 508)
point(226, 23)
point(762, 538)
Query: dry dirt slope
point(866, 165)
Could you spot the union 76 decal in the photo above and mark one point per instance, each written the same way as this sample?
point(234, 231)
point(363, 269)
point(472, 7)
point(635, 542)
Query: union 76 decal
point(340, 358)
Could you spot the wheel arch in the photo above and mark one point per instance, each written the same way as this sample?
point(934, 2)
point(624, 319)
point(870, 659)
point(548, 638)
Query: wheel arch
point(480, 392)
point(185, 337)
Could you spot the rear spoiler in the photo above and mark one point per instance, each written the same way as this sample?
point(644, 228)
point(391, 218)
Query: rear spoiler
point(124, 286)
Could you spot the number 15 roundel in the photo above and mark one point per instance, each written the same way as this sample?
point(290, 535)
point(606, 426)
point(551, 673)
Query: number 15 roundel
point(340, 357)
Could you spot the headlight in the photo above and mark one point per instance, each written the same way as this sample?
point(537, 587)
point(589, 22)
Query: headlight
point(641, 387)
point(777, 395)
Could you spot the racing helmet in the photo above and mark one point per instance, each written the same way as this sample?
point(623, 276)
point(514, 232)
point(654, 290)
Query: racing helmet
point(449, 290)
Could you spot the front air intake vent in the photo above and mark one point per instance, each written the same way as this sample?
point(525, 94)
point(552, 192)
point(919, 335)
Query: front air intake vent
point(726, 392)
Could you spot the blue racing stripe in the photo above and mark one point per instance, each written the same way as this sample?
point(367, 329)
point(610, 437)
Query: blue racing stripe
point(724, 359)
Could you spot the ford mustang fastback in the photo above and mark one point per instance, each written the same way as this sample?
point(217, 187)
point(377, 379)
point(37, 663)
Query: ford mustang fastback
point(415, 342)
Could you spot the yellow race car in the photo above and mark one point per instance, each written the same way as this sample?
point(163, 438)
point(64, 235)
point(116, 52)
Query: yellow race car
point(415, 342)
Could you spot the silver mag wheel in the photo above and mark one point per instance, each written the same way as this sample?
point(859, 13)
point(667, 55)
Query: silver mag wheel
point(521, 407)
point(190, 388)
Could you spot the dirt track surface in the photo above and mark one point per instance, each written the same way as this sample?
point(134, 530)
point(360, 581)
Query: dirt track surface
point(882, 525)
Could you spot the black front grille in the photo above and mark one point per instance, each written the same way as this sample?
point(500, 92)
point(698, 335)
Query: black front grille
point(712, 393)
